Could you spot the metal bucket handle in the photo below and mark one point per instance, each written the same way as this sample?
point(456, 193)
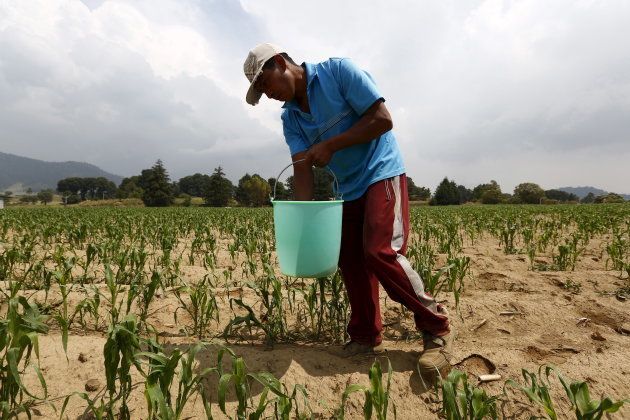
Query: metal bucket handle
point(338, 195)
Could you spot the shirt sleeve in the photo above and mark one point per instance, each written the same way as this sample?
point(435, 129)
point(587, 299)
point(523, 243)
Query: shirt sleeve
point(357, 86)
point(293, 136)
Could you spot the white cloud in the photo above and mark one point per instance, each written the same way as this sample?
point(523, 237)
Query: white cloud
point(479, 90)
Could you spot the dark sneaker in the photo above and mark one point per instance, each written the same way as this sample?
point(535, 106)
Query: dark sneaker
point(434, 361)
point(352, 348)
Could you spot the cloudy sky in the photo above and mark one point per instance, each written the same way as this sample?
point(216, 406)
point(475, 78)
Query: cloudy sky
point(514, 91)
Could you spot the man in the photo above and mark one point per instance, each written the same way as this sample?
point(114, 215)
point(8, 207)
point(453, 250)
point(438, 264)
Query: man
point(334, 116)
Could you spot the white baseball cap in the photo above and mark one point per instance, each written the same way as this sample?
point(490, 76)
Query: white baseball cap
point(253, 65)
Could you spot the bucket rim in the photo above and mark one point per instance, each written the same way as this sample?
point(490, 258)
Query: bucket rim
point(322, 202)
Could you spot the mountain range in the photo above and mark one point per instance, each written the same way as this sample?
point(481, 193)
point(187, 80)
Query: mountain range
point(18, 174)
point(583, 191)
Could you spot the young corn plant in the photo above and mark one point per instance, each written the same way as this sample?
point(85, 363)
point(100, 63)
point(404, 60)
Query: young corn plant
point(120, 351)
point(89, 308)
point(269, 291)
point(64, 277)
point(19, 331)
point(377, 396)
point(536, 389)
point(97, 409)
point(147, 295)
point(285, 405)
point(201, 306)
point(440, 280)
point(618, 251)
point(568, 254)
point(508, 234)
point(459, 269)
point(464, 401)
point(249, 320)
point(162, 372)
point(237, 376)
point(585, 407)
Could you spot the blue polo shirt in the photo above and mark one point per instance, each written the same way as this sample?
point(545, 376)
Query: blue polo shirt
point(338, 94)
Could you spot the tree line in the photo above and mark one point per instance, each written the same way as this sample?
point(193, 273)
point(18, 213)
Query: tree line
point(449, 193)
point(155, 188)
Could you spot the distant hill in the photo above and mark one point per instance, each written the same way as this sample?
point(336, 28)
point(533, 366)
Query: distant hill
point(583, 191)
point(18, 173)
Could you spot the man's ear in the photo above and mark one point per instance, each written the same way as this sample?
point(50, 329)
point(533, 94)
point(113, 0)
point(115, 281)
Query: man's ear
point(280, 63)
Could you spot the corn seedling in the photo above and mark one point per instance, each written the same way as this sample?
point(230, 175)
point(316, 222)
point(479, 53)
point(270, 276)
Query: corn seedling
point(201, 306)
point(377, 397)
point(536, 389)
point(464, 401)
point(585, 407)
point(162, 371)
point(120, 351)
point(19, 331)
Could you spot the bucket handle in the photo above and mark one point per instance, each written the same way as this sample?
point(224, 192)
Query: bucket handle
point(335, 184)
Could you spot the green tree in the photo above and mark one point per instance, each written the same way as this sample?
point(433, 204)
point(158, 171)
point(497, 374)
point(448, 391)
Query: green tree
point(488, 193)
point(492, 196)
point(88, 188)
point(282, 193)
point(465, 194)
point(588, 198)
point(609, 198)
point(186, 199)
point(103, 188)
point(241, 190)
point(529, 193)
point(561, 195)
point(416, 193)
point(175, 190)
point(194, 185)
point(70, 185)
point(156, 186)
point(29, 199)
point(253, 191)
point(73, 199)
point(129, 188)
point(446, 193)
point(7, 196)
point(219, 190)
point(45, 196)
point(322, 185)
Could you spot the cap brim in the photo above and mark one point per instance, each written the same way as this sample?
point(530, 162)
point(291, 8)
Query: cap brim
point(253, 94)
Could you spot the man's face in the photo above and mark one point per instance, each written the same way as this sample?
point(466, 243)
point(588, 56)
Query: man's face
point(275, 82)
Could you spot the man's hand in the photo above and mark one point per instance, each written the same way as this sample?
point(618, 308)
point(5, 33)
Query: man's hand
point(373, 123)
point(319, 154)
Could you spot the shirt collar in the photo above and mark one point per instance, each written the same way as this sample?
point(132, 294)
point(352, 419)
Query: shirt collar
point(311, 74)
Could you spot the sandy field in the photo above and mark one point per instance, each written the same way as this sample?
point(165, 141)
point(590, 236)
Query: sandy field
point(510, 318)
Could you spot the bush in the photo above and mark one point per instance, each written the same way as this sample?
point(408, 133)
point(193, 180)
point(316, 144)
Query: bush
point(73, 199)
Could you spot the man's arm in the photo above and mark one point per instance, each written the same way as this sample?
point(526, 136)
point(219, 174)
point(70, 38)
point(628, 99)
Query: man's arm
point(302, 178)
point(373, 123)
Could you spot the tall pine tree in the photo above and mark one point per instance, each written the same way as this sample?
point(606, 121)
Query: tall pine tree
point(156, 186)
point(219, 190)
point(446, 193)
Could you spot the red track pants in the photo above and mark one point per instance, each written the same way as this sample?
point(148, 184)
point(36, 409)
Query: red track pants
point(373, 246)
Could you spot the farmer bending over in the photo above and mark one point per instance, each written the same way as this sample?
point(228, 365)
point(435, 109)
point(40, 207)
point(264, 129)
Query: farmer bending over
point(335, 116)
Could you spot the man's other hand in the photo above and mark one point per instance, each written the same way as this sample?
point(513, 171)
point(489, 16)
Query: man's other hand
point(319, 154)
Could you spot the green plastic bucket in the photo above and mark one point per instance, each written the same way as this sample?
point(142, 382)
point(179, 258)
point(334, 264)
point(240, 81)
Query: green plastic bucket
point(308, 235)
